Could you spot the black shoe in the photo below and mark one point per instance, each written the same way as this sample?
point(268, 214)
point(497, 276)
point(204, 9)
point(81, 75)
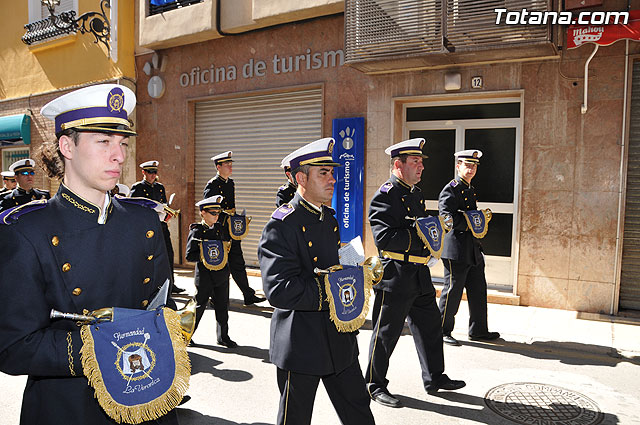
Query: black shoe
point(445, 383)
point(386, 399)
point(177, 290)
point(184, 400)
point(227, 342)
point(448, 339)
point(253, 299)
point(489, 336)
point(192, 343)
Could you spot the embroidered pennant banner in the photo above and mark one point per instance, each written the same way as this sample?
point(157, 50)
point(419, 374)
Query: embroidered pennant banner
point(478, 222)
point(431, 231)
point(348, 293)
point(213, 254)
point(137, 364)
point(238, 226)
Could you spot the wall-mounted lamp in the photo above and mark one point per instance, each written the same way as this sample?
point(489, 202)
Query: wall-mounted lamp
point(96, 23)
point(452, 81)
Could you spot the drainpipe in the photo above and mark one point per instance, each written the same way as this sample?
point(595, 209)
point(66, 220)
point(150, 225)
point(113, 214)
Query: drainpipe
point(621, 178)
point(583, 109)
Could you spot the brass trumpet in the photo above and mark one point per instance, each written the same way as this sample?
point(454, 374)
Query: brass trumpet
point(373, 263)
point(187, 317)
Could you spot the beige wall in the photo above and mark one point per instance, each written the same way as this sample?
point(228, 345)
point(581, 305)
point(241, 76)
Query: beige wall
point(570, 183)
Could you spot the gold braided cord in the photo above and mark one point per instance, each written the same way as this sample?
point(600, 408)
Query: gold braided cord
point(78, 205)
point(354, 324)
point(155, 408)
point(70, 354)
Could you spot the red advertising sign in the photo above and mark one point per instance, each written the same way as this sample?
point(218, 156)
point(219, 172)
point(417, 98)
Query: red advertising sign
point(604, 35)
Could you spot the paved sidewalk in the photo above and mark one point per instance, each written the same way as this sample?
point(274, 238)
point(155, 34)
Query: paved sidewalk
point(554, 366)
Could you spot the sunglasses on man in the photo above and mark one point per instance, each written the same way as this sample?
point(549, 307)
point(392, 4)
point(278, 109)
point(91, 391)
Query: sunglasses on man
point(26, 173)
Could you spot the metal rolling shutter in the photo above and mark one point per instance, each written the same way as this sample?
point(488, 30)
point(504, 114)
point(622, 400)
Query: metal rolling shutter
point(630, 275)
point(260, 130)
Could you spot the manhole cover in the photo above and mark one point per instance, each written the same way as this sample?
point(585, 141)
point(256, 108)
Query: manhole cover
point(542, 404)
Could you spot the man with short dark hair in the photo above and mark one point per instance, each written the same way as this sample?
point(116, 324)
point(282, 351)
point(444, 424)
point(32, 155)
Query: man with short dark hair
point(306, 346)
point(222, 184)
point(406, 290)
point(462, 254)
point(24, 172)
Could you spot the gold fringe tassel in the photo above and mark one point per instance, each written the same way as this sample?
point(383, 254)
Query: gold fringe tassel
point(354, 324)
point(156, 408)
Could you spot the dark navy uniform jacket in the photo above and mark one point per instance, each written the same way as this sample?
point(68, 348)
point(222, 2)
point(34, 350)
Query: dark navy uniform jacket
point(19, 196)
point(459, 243)
point(392, 231)
point(144, 189)
point(220, 186)
point(197, 233)
point(296, 239)
point(285, 194)
point(59, 257)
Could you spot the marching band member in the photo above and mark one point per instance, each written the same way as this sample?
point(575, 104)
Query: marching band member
point(306, 347)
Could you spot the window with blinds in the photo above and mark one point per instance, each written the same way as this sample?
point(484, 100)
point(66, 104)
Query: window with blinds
point(260, 130)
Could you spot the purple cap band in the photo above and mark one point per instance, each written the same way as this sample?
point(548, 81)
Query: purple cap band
point(94, 112)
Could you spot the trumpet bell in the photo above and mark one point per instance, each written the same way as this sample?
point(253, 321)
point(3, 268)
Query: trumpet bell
point(188, 319)
point(375, 265)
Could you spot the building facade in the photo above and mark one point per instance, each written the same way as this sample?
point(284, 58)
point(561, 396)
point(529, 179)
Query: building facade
point(42, 62)
point(262, 78)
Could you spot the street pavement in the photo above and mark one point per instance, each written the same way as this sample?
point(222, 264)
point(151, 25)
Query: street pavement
point(555, 366)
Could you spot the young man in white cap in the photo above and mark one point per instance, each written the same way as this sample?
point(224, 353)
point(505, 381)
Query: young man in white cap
point(288, 190)
point(406, 290)
point(222, 184)
point(150, 188)
point(462, 254)
point(8, 182)
point(207, 247)
point(83, 249)
point(24, 172)
point(305, 345)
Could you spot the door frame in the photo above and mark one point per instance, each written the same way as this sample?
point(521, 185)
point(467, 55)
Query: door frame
point(401, 129)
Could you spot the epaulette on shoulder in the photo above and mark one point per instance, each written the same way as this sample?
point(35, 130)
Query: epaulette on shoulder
point(385, 188)
point(193, 226)
point(143, 202)
point(454, 183)
point(283, 187)
point(12, 214)
point(282, 212)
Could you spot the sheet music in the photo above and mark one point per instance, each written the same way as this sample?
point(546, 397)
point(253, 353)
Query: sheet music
point(352, 253)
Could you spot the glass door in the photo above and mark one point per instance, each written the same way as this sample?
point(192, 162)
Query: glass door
point(496, 181)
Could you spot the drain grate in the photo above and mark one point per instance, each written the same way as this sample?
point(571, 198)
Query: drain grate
point(529, 403)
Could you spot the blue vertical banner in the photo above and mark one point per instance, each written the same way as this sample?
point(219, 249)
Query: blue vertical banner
point(348, 197)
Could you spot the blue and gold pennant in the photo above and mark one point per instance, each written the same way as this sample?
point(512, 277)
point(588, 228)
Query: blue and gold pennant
point(238, 226)
point(213, 254)
point(348, 292)
point(478, 222)
point(431, 231)
point(137, 363)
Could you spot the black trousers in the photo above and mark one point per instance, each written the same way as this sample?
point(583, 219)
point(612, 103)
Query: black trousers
point(459, 276)
point(346, 390)
point(214, 285)
point(388, 316)
point(238, 269)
